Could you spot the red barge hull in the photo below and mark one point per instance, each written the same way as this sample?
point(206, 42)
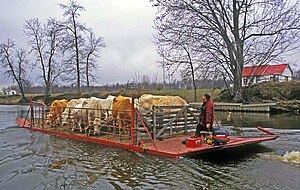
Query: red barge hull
point(171, 147)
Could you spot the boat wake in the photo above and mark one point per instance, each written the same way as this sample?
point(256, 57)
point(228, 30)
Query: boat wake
point(292, 157)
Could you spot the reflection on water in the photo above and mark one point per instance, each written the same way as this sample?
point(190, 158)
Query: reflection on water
point(278, 121)
point(32, 160)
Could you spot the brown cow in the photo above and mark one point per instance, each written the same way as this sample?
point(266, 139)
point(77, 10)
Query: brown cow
point(56, 109)
point(121, 110)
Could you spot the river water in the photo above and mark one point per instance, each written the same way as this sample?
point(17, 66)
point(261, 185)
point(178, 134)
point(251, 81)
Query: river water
point(32, 160)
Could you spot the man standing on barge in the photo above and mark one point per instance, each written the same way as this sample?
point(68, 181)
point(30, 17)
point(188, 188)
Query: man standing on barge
point(206, 118)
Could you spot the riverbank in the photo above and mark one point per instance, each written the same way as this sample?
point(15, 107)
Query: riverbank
point(286, 95)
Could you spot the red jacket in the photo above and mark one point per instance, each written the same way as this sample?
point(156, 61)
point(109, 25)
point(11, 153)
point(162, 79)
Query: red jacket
point(207, 113)
point(210, 116)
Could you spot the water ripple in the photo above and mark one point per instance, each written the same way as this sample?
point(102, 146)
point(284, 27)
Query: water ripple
point(32, 160)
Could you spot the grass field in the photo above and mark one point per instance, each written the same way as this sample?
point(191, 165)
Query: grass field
point(188, 95)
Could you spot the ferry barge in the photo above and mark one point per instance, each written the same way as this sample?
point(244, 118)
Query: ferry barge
point(157, 133)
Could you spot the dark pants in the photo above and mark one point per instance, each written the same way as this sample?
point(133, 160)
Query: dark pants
point(200, 128)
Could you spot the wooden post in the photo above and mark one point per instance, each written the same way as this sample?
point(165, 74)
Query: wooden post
point(171, 128)
point(185, 120)
point(87, 127)
point(132, 120)
point(31, 113)
point(137, 137)
point(39, 116)
point(69, 119)
point(43, 121)
point(154, 123)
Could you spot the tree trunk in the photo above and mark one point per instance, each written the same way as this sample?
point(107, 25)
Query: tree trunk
point(77, 55)
point(87, 72)
point(237, 85)
point(21, 90)
point(239, 60)
point(78, 69)
point(193, 73)
point(47, 89)
point(194, 84)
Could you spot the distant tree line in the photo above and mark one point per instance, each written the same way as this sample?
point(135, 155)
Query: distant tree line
point(129, 86)
point(60, 50)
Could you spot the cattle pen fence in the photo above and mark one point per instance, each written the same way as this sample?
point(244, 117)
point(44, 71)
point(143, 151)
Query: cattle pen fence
point(135, 126)
point(169, 121)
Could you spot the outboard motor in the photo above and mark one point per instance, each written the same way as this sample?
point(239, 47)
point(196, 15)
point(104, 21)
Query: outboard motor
point(220, 137)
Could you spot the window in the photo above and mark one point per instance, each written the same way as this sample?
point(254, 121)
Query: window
point(257, 79)
point(245, 82)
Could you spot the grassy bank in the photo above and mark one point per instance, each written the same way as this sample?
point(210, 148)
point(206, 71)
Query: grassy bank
point(285, 94)
point(10, 99)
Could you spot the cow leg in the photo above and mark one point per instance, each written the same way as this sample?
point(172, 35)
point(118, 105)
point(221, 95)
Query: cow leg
point(74, 123)
point(57, 121)
point(97, 126)
point(73, 127)
point(97, 129)
point(80, 125)
point(53, 121)
point(91, 126)
point(119, 123)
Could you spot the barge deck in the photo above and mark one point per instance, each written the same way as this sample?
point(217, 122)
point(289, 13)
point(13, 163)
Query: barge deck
point(170, 147)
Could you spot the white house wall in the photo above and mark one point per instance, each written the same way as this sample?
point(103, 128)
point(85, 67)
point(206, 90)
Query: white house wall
point(267, 78)
point(287, 72)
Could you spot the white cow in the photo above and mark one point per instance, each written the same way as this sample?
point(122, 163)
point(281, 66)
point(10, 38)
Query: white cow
point(108, 105)
point(78, 115)
point(99, 110)
point(67, 114)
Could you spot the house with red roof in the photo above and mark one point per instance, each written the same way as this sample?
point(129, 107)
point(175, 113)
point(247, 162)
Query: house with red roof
point(262, 73)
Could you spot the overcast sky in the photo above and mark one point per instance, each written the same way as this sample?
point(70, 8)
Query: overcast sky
point(126, 25)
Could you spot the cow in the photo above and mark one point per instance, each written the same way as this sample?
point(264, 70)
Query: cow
point(99, 110)
point(147, 101)
point(94, 112)
point(77, 117)
point(56, 109)
point(66, 115)
point(121, 111)
point(108, 106)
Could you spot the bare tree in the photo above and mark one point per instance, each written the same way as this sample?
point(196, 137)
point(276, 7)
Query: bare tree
point(229, 34)
point(73, 36)
point(14, 62)
point(90, 53)
point(179, 56)
point(297, 74)
point(45, 40)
